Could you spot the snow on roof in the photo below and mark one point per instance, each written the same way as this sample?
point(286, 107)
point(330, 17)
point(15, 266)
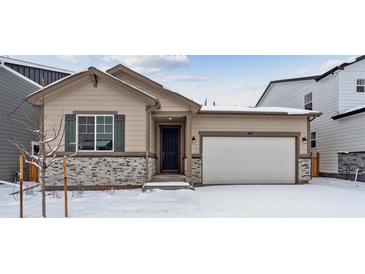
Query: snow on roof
point(289, 111)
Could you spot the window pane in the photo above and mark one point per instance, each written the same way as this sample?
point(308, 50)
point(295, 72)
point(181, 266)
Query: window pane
point(100, 129)
point(82, 120)
point(108, 129)
point(100, 120)
point(108, 120)
point(313, 135)
point(86, 141)
point(90, 119)
point(313, 143)
point(360, 89)
point(104, 142)
point(361, 81)
point(90, 129)
point(82, 129)
point(308, 106)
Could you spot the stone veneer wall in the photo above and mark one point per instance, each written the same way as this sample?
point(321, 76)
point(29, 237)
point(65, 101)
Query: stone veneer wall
point(196, 171)
point(305, 170)
point(152, 167)
point(101, 171)
point(348, 163)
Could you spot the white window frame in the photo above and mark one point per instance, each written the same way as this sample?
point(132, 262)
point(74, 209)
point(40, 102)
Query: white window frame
point(363, 85)
point(315, 139)
point(95, 122)
point(309, 102)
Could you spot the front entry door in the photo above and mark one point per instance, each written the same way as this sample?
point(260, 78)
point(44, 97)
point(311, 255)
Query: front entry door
point(170, 149)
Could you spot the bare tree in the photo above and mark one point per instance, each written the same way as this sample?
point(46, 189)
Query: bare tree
point(47, 155)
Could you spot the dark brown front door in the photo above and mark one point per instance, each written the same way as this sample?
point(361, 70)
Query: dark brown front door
point(170, 149)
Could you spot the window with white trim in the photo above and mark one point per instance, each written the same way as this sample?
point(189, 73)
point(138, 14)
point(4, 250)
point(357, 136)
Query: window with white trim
point(360, 85)
point(95, 132)
point(313, 139)
point(308, 101)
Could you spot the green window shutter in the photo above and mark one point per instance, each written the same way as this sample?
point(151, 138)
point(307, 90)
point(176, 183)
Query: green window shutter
point(119, 133)
point(70, 132)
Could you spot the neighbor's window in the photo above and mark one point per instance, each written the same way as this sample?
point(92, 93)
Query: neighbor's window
point(360, 85)
point(308, 101)
point(313, 139)
point(95, 133)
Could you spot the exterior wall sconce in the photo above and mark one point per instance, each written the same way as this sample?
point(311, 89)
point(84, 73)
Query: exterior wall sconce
point(193, 140)
point(304, 140)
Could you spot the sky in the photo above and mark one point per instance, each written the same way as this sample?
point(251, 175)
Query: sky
point(226, 80)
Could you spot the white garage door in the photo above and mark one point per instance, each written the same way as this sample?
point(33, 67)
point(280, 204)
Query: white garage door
point(248, 160)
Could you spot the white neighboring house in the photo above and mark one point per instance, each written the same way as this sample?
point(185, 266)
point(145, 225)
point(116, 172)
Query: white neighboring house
point(339, 134)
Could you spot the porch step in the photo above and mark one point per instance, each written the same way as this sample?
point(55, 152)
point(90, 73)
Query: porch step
point(166, 186)
point(168, 178)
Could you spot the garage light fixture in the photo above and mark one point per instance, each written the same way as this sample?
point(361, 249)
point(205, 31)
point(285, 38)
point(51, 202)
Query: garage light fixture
point(170, 118)
point(193, 140)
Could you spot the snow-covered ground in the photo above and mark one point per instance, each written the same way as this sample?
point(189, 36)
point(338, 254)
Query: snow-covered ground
point(323, 197)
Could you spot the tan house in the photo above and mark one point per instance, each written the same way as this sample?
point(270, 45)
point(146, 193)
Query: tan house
point(125, 129)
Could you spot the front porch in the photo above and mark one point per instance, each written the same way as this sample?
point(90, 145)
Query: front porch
point(168, 177)
point(170, 143)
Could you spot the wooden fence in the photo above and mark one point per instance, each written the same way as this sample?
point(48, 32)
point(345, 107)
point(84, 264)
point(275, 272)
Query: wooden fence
point(315, 164)
point(33, 173)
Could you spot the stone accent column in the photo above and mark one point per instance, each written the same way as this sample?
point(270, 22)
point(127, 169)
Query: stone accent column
point(197, 171)
point(305, 168)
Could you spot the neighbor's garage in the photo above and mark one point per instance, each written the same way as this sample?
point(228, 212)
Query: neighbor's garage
point(249, 160)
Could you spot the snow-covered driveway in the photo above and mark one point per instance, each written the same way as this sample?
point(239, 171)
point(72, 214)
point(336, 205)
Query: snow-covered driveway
point(322, 198)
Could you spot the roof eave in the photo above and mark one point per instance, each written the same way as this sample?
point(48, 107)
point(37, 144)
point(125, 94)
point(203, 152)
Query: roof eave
point(306, 78)
point(150, 100)
point(263, 113)
point(348, 114)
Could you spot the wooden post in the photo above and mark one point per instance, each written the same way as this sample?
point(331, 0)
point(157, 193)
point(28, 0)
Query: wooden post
point(188, 149)
point(21, 178)
point(65, 184)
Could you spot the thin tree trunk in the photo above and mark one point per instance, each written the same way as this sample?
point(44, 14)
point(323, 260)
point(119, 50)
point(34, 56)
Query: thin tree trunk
point(43, 151)
point(43, 193)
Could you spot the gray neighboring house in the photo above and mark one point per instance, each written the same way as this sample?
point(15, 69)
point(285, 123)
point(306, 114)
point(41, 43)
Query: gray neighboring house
point(339, 133)
point(17, 80)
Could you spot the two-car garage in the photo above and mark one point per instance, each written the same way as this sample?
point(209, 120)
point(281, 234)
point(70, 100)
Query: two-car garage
point(249, 159)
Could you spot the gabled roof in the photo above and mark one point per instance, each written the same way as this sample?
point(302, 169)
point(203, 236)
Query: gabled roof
point(5, 59)
point(181, 98)
point(94, 74)
point(285, 80)
point(121, 68)
point(20, 75)
point(340, 67)
point(314, 77)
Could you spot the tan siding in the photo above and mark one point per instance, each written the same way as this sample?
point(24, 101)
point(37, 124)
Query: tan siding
point(102, 98)
point(166, 104)
point(152, 136)
point(248, 123)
